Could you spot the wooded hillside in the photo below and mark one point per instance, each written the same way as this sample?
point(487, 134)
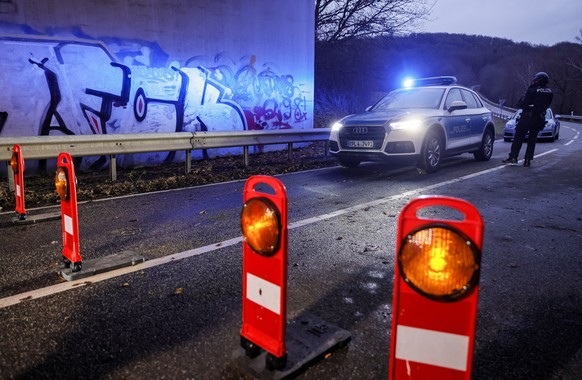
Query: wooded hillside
point(351, 76)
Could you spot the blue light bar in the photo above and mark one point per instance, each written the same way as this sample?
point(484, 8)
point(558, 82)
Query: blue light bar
point(432, 81)
point(408, 82)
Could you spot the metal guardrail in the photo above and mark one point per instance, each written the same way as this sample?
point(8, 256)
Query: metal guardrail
point(499, 111)
point(45, 147)
point(569, 117)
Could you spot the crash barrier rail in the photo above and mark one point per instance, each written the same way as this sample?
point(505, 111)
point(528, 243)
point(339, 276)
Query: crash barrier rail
point(45, 147)
point(560, 117)
point(569, 117)
point(497, 110)
point(506, 112)
point(501, 116)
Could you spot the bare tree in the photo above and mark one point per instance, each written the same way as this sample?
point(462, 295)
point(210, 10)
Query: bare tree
point(523, 76)
point(341, 20)
point(576, 63)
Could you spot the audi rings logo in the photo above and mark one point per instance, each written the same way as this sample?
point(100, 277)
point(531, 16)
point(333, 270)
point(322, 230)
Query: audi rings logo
point(360, 130)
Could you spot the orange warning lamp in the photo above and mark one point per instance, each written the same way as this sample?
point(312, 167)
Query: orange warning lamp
point(62, 184)
point(14, 163)
point(439, 262)
point(261, 226)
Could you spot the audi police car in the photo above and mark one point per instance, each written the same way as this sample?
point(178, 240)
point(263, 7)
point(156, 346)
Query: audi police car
point(424, 122)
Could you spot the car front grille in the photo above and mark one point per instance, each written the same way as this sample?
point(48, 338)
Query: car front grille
point(359, 137)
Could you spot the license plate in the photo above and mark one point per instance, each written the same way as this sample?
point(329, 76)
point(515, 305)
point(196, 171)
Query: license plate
point(360, 144)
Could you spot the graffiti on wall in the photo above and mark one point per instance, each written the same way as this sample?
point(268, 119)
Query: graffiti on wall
point(273, 99)
point(54, 86)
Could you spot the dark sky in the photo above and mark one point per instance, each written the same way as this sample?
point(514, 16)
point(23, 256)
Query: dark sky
point(537, 22)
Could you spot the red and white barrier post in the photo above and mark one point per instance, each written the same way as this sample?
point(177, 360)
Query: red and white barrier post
point(436, 289)
point(65, 182)
point(17, 165)
point(264, 307)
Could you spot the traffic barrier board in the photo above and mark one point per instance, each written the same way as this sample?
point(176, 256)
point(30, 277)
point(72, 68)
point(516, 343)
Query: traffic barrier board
point(290, 346)
point(65, 183)
point(17, 165)
point(75, 267)
point(436, 290)
point(264, 225)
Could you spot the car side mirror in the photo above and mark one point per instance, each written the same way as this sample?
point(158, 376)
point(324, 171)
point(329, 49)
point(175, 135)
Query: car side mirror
point(457, 105)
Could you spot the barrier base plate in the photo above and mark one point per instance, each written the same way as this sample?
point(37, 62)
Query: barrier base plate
point(308, 339)
point(31, 219)
point(103, 264)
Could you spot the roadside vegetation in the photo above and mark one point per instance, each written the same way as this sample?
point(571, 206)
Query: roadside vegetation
point(40, 190)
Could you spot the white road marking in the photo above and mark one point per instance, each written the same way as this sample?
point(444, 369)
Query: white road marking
point(573, 138)
point(54, 289)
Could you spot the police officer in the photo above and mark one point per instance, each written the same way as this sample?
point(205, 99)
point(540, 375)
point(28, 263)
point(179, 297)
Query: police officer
point(537, 99)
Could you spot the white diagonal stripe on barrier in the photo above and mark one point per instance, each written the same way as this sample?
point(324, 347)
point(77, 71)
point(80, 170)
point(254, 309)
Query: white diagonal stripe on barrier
point(264, 293)
point(68, 225)
point(432, 347)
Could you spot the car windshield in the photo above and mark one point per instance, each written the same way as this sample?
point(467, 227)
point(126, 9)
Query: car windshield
point(411, 98)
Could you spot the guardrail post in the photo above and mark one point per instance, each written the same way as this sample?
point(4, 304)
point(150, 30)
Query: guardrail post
point(289, 151)
point(188, 161)
point(10, 176)
point(113, 167)
point(246, 155)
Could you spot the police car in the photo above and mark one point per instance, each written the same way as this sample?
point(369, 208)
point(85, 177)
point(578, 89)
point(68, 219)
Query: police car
point(551, 131)
point(423, 122)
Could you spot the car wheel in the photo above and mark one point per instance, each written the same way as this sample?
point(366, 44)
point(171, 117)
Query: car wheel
point(431, 154)
point(557, 135)
point(486, 150)
point(349, 163)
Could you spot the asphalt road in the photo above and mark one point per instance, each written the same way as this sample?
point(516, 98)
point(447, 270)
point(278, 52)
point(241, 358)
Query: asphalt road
point(178, 315)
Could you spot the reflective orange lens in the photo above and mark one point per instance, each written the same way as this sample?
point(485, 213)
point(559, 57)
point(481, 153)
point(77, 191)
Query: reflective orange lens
point(261, 226)
point(62, 184)
point(14, 163)
point(439, 263)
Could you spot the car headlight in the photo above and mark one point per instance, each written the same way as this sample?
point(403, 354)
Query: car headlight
point(410, 124)
point(336, 126)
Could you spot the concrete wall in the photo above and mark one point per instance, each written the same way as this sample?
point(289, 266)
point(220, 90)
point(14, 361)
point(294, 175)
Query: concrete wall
point(131, 66)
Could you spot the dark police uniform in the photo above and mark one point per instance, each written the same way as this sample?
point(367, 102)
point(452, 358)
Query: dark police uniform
point(537, 99)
